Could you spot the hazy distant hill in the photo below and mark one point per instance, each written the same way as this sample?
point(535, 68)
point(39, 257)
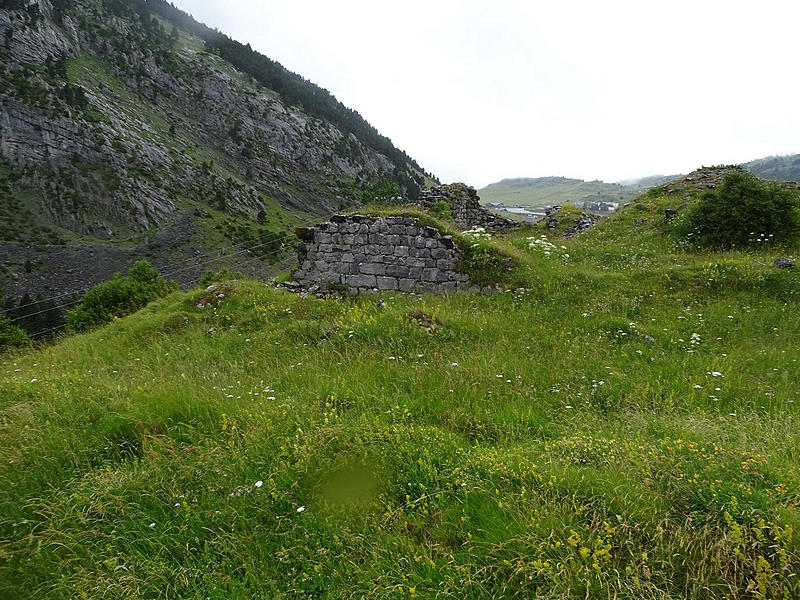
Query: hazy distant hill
point(780, 168)
point(538, 192)
point(543, 191)
point(643, 183)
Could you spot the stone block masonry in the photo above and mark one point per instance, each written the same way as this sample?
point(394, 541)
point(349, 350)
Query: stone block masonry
point(364, 254)
point(465, 207)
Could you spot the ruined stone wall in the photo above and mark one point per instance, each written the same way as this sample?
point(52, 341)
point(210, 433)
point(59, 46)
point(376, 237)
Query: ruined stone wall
point(465, 207)
point(584, 222)
point(363, 254)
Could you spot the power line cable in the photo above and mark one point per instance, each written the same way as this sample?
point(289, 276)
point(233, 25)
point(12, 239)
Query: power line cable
point(57, 306)
point(206, 256)
point(275, 236)
point(63, 325)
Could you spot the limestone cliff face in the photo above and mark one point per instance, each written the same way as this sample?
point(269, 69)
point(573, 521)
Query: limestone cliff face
point(115, 127)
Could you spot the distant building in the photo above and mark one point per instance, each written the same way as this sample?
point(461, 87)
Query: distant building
point(601, 206)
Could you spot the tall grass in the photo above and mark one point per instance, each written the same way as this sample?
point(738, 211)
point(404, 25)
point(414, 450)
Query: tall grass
point(623, 426)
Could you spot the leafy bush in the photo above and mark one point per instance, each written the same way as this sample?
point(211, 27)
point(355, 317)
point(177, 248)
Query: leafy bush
point(745, 211)
point(119, 297)
point(442, 210)
point(484, 264)
point(12, 336)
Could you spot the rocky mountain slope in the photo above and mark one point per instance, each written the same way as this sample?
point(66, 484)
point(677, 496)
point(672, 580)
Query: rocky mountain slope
point(125, 136)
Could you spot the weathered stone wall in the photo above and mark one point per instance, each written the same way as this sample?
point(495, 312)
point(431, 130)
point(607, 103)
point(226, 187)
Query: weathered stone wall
point(363, 254)
point(465, 207)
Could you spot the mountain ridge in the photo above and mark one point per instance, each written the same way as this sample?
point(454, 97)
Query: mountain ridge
point(780, 167)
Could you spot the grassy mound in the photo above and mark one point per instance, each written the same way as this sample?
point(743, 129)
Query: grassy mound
point(711, 208)
point(627, 426)
point(568, 216)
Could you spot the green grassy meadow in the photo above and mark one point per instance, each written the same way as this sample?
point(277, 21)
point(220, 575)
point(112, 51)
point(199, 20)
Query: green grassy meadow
point(623, 425)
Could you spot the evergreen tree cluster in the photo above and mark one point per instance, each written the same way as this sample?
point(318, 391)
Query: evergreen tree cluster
point(74, 96)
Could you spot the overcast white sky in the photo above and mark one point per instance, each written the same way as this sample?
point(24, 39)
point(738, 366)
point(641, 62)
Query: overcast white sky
point(477, 91)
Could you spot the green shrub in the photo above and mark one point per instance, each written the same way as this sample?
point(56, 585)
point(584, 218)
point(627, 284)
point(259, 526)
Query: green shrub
point(118, 297)
point(483, 263)
point(12, 336)
point(442, 210)
point(744, 211)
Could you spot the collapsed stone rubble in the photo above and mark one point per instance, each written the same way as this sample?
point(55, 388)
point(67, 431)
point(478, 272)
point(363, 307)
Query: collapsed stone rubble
point(584, 222)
